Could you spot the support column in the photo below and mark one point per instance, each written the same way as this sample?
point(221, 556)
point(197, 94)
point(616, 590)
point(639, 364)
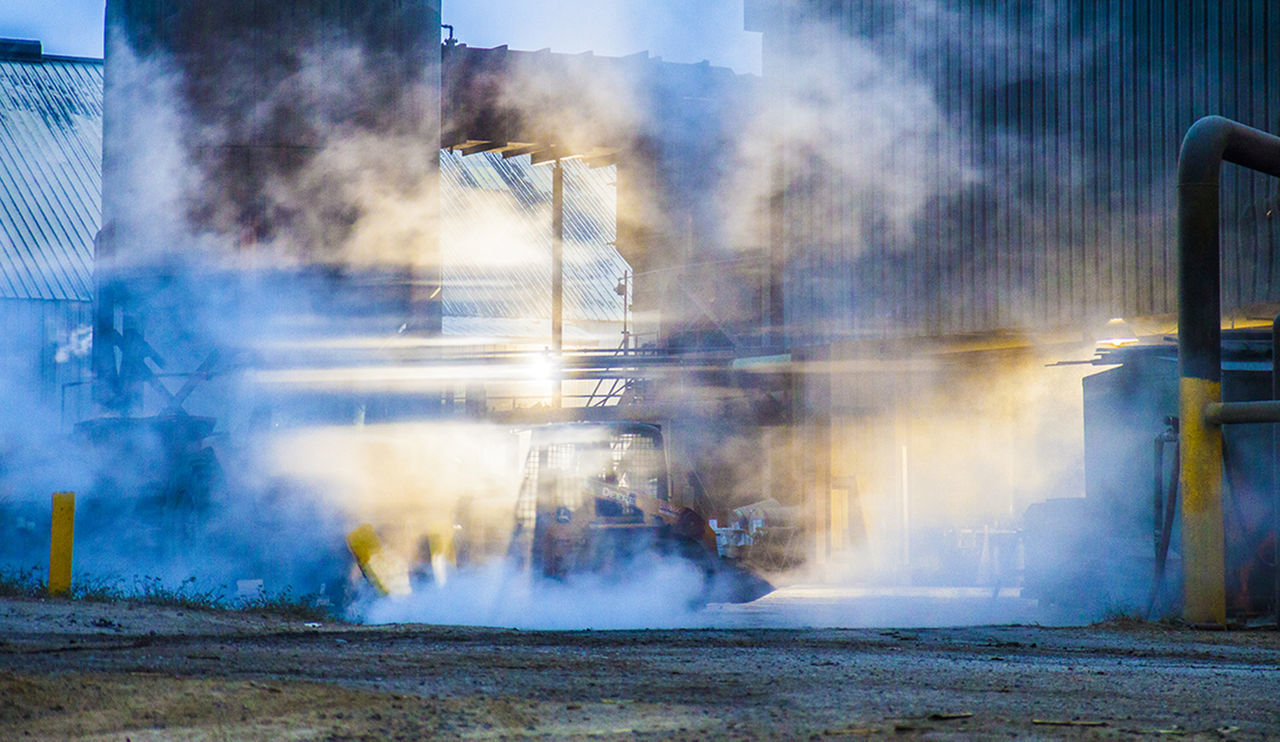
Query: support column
point(557, 279)
point(813, 400)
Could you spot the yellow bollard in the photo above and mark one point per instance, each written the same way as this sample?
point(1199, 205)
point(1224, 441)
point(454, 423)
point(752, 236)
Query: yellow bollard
point(61, 538)
point(1203, 539)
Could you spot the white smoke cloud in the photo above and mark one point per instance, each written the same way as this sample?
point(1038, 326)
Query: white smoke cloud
point(853, 114)
point(658, 593)
point(848, 131)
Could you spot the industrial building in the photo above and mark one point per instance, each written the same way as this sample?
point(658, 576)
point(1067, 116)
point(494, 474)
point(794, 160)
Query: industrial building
point(869, 287)
point(51, 108)
point(1047, 144)
point(996, 186)
point(926, 384)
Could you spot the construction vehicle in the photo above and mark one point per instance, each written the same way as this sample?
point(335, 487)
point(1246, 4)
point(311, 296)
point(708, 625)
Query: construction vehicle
point(598, 498)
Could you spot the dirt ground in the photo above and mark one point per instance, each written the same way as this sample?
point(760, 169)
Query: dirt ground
point(98, 671)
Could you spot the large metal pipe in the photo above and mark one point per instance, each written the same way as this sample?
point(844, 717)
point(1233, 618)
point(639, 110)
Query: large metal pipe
point(1208, 143)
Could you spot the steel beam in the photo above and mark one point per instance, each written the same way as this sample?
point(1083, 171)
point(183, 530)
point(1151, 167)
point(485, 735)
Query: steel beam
point(475, 149)
point(599, 161)
point(527, 149)
point(451, 139)
point(546, 154)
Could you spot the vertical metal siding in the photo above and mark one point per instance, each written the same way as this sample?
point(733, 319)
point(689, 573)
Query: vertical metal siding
point(1073, 113)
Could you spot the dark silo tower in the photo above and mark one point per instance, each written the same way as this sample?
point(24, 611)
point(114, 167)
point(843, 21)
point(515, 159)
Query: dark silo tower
point(272, 131)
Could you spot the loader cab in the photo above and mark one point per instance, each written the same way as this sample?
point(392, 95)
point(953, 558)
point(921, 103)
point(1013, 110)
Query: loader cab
point(587, 494)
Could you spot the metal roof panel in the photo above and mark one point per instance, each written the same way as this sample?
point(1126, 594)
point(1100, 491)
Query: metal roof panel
point(50, 177)
point(496, 238)
point(50, 208)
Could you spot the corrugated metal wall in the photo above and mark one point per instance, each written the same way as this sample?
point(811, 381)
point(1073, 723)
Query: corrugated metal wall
point(1050, 194)
point(50, 177)
point(50, 148)
point(45, 347)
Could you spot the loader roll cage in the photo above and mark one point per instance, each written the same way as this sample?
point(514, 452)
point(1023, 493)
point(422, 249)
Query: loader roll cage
point(614, 467)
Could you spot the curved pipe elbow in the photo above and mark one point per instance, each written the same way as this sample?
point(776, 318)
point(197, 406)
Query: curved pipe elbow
point(1203, 147)
point(1214, 139)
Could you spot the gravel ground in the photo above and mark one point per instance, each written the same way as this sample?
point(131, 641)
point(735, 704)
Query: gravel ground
point(97, 671)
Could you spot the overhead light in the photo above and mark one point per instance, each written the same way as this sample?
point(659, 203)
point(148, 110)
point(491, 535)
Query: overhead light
point(1116, 334)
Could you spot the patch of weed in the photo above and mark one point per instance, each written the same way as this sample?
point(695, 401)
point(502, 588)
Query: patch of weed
point(187, 595)
point(287, 605)
point(23, 583)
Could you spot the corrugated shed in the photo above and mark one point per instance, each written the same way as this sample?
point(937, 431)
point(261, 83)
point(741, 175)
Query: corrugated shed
point(50, 177)
point(45, 347)
point(1067, 116)
point(50, 186)
point(496, 239)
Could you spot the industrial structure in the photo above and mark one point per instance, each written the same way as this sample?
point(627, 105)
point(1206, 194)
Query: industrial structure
point(1036, 156)
point(1049, 149)
point(286, 179)
point(868, 288)
point(51, 108)
point(270, 246)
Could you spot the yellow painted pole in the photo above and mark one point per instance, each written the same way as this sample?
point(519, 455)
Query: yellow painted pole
point(1203, 539)
point(1209, 142)
point(61, 537)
